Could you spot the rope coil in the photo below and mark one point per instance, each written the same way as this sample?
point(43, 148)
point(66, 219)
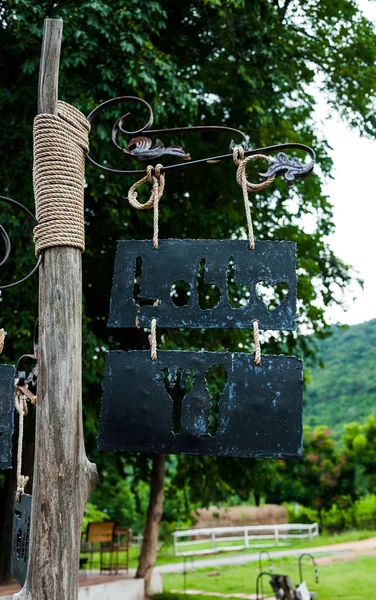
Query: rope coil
point(154, 176)
point(241, 179)
point(60, 144)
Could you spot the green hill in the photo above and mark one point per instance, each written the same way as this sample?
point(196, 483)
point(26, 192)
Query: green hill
point(345, 389)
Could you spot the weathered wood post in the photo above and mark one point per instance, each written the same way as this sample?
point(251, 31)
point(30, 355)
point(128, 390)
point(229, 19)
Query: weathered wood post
point(63, 476)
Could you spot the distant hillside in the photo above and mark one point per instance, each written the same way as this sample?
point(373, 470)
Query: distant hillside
point(345, 389)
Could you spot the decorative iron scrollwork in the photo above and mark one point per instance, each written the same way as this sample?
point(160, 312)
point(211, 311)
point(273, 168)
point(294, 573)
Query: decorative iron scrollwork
point(143, 150)
point(292, 169)
point(140, 147)
point(7, 242)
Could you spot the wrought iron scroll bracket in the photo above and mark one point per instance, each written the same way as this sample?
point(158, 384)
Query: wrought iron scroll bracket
point(28, 382)
point(7, 242)
point(140, 147)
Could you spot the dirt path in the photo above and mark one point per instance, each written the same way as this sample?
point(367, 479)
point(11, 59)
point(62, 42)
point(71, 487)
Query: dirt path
point(219, 595)
point(346, 550)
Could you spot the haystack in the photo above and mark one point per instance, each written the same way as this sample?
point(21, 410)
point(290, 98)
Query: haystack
point(234, 516)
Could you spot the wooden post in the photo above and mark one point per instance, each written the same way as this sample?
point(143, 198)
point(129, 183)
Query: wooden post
point(63, 476)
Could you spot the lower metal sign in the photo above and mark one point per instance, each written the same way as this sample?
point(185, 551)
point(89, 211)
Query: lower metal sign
point(7, 375)
point(20, 538)
point(206, 403)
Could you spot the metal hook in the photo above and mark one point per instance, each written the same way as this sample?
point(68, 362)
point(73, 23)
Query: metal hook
point(31, 379)
point(313, 563)
point(6, 239)
point(269, 559)
point(260, 566)
point(259, 578)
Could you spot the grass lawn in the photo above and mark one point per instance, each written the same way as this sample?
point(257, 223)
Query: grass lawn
point(339, 581)
point(166, 556)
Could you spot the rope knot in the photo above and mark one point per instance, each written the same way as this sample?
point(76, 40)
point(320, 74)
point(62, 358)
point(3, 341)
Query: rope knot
point(154, 173)
point(21, 484)
point(20, 402)
point(238, 154)
point(241, 179)
point(156, 178)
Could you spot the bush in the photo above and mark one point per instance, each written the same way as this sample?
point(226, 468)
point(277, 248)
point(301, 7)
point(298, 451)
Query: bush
point(365, 512)
point(300, 514)
point(360, 515)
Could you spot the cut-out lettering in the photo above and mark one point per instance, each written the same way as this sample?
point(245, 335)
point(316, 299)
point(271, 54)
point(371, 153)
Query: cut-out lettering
point(272, 295)
point(202, 284)
point(137, 287)
point(208, 293)
point(180, 292)
point(21, 538)
point(178, 384)
point(216, 381)
point(238, 295)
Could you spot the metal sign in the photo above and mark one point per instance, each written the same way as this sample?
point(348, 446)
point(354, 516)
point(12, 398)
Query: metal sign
point(145, 279)
point(20, 538)
point(7, 375)
point(205, 403)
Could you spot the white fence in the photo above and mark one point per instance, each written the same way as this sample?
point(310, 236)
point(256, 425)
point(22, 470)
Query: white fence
point(218, 538)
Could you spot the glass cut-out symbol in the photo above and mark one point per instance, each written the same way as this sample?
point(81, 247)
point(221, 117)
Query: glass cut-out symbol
point(180, 382)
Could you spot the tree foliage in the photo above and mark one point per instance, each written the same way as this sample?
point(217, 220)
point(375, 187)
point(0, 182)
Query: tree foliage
point(349, 374)
point(360, 446)
point(323, 477)
point(252, 65)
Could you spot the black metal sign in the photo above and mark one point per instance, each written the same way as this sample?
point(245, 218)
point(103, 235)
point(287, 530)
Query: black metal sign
point(7, 375)
point(201, 403)
point(206, 403)
point(20, 538)
point(145, 281)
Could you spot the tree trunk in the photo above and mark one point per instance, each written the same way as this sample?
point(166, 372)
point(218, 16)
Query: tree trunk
point(153, 518)
point(63, 476)
point(257, 496)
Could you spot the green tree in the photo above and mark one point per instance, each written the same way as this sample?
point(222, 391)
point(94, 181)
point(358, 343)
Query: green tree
point(249, 65)
point(360, 447)
point(323, 477)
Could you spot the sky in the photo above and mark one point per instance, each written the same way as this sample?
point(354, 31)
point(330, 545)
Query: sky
point(352, 193)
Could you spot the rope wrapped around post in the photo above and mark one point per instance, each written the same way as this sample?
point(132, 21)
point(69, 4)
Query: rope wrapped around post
point(241, 179)
point(2, 340)
point(60, 144)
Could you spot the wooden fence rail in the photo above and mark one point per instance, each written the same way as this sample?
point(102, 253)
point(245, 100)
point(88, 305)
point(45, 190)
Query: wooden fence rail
point(218, 538)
